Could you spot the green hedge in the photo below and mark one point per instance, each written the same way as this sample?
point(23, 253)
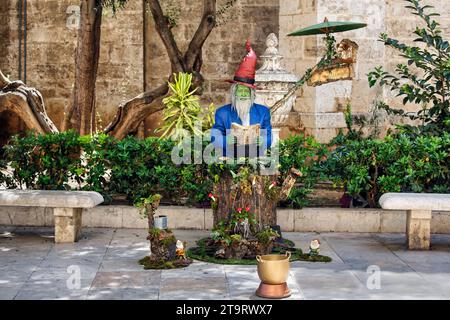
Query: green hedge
point(304, 154)
point(138, 168)
point(43, 162)
point(131, 167)
point(401, 163)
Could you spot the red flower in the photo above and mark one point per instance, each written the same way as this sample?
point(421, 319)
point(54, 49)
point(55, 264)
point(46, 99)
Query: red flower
point(210, 195)
point(239, 210)
point(247, 209)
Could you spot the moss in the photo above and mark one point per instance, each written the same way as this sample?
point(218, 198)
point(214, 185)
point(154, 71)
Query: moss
point(317, 258)
point(167, 242)
point(150, 263)
point(154, 232)
point(202, 253)
point(266, 236)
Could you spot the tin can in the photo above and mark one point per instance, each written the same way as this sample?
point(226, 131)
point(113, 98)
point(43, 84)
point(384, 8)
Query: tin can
point(160, 222)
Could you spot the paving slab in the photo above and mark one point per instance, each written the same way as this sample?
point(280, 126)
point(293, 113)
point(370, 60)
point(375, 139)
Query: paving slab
point(105, 262)
point(193, 288)
point(150, 293)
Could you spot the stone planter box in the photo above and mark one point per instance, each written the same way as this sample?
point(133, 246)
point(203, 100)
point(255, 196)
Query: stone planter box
point(303, 220)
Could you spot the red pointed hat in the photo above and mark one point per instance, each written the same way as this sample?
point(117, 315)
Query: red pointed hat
point(245, 75)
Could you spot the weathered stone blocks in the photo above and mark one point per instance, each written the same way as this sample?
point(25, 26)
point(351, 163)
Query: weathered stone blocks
point(67, 224)
point(418, 229)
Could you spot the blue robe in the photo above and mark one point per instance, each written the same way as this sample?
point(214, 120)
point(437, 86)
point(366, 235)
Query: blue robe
point(226, 115)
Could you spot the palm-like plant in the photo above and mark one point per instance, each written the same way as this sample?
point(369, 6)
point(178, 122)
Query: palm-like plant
point(182, 110)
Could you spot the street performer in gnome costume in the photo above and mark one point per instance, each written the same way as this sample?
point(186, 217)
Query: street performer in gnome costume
point(243, 113)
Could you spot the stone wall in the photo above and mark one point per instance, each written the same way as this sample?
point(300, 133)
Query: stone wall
point(297, 220)
point(51, 43)
point(223, 50)
point(320, 108)
point(125, 71)
point(120, 72)
point(4, 32)
point(8, 31)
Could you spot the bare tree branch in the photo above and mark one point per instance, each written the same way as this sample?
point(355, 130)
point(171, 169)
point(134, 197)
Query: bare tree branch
point(204, 29)
point(131, 113)
point(26, 103)
point(166, 35)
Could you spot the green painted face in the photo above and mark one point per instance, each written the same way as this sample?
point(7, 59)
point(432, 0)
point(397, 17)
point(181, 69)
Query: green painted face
point(242, 92)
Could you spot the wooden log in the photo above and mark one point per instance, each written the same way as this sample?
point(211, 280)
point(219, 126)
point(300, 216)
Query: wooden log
point(289, 183)
point(26, 103)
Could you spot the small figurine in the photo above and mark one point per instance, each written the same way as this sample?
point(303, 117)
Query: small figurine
point(347, 51)
point(180, 250)
point(314, 247)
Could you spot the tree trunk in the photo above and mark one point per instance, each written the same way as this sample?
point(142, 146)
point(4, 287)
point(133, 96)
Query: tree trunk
point(131, 113)
point(27, 103)
point(255, 192)
point(162, 245)
point(81, 114)
point(252, 192)
point(224, 206)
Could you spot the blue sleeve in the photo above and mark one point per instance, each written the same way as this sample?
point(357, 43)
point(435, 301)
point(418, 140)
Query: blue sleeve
point(218, 132)
point(266, 124)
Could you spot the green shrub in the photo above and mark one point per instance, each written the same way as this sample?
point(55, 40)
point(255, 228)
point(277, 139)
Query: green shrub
point(182, 111)
point(304, 154)
point(131, 167)
point(143, 167)
point(196, 181)
point(139, 168)
point(96, 163)
point(403, 163)
point(46, 162)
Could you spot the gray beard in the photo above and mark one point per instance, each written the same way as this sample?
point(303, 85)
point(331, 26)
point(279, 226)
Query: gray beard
point(243, 109)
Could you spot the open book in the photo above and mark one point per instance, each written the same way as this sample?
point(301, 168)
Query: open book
point(245, 134)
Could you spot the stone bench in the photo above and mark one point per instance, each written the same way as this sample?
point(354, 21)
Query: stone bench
point(419, 207)
point(67, 207)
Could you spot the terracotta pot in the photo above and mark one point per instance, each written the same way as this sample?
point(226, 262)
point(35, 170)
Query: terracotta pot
point(273, 268)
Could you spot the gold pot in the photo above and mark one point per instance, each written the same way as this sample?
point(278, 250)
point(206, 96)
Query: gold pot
point(273, 268)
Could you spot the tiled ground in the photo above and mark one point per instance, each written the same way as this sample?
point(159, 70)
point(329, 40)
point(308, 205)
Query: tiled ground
point(33, 267)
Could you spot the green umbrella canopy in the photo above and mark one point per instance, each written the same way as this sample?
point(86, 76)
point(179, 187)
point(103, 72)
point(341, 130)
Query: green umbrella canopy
point(327, 27)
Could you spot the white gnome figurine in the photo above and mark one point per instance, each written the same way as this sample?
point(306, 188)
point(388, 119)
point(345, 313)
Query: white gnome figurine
point(180, 250)
point(314, 247)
